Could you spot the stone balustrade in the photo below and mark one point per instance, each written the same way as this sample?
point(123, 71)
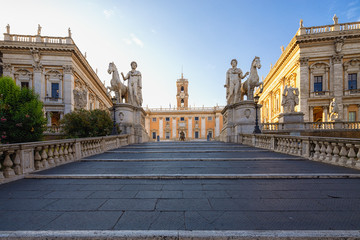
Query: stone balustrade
point(337, 151)
point(269, 127)
point(37, 38)
point(330, 28)
point(17, 160)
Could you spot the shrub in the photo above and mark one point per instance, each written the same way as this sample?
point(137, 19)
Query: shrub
point(21, 113)
point(84, 123)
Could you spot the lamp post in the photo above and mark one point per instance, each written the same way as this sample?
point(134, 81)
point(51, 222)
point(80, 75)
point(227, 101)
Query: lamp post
point(257, 128)
point(114, 129)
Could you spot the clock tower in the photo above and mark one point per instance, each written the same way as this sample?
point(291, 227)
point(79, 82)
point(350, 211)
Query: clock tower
point(182, 95)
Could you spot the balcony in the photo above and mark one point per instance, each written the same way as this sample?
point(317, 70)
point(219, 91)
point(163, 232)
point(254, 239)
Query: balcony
point(53, 100)
point(352, 92)
point(320, 94)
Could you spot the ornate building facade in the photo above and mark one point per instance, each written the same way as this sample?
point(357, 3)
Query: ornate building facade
point(56, 69)
point(196, 123)
point(324, 63)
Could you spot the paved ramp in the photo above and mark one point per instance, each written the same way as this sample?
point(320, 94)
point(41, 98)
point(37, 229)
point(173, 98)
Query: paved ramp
point(235, 190)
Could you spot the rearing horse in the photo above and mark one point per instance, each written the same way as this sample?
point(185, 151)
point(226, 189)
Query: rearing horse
point(120, 90)
point(247, 88)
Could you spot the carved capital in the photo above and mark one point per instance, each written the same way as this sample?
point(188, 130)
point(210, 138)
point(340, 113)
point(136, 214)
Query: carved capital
point(37, 67)
point(68, 68)
point(337, 59)
point(304, 62)
point(7, 67)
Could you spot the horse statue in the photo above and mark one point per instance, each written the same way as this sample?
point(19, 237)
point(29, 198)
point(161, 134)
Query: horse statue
point(120, 89)
point(247, 88)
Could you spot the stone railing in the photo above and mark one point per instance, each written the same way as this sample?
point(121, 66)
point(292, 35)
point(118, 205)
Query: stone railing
point(37, 38)
point(17, 160)
point(330, 28)
point(270, 127)
point(337, 151)
point(216, 108)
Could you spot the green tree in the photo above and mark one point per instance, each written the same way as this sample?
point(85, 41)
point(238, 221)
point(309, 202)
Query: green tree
point(21, 113)
point(84, 123)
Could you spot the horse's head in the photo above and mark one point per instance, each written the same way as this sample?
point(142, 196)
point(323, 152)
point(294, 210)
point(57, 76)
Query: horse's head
point(256, 63)
point(111, 67)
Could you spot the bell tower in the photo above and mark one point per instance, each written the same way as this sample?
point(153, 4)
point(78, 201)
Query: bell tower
point(182, 94)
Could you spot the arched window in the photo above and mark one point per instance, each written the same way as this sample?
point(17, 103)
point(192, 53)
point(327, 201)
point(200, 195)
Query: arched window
point(182, 88)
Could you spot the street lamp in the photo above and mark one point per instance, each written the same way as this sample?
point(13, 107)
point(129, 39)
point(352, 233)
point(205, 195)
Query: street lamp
point(256, 129)
point(114, 129)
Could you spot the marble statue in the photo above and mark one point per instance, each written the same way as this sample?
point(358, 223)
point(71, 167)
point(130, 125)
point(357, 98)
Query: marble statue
point(80, 97)
point(8, 29)
point(69, 32)
point(334, 110)
point(120, 90)
point(247, 88)
point(134, 85)
point(233, 82)
point(39, 30)
point(290, 98)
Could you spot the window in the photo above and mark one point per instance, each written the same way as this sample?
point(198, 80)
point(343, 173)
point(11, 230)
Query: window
point(167, 119)
point(352, 81)
point(55, 90)
point(154, 119)
point(196, 118)
point(24, 84)
point(182, 88)
point(196, 134)
point(318, 80)
point(154, 135)
point(352, 116)
point(209, 118)
point(182, 119)
point(167, 135)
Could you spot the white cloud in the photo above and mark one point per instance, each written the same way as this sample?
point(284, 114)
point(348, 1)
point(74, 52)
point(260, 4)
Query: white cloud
point(136, 40)
point(108, 13)
point(127, 41)
point(352, 12)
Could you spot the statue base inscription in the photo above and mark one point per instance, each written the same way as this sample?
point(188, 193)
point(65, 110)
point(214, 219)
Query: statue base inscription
point(131, 120)
point(239, 118)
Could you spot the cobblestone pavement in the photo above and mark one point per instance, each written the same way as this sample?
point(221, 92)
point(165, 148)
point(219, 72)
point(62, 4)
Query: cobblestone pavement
point(60, 201)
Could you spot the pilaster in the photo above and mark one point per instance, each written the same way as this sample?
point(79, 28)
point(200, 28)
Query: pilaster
point(304, 87)
point(338, 81)
point(68, 94)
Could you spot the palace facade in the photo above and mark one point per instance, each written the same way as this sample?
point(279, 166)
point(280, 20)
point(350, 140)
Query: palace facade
point(196, 123)
point(323, 62)
point(56, 69)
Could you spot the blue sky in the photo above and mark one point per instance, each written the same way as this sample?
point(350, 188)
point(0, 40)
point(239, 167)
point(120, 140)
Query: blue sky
point(200, 36)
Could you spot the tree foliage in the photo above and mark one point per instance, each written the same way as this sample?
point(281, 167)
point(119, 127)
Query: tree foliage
point(21, 113)
point(84, 123)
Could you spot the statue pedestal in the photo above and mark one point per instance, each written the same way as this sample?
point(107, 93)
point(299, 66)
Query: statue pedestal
point(131, 121)
point(239, 118)
point(293, 122)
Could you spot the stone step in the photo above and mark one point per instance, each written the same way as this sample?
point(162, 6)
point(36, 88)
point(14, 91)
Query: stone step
point(183, 234)
point(195, 176)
